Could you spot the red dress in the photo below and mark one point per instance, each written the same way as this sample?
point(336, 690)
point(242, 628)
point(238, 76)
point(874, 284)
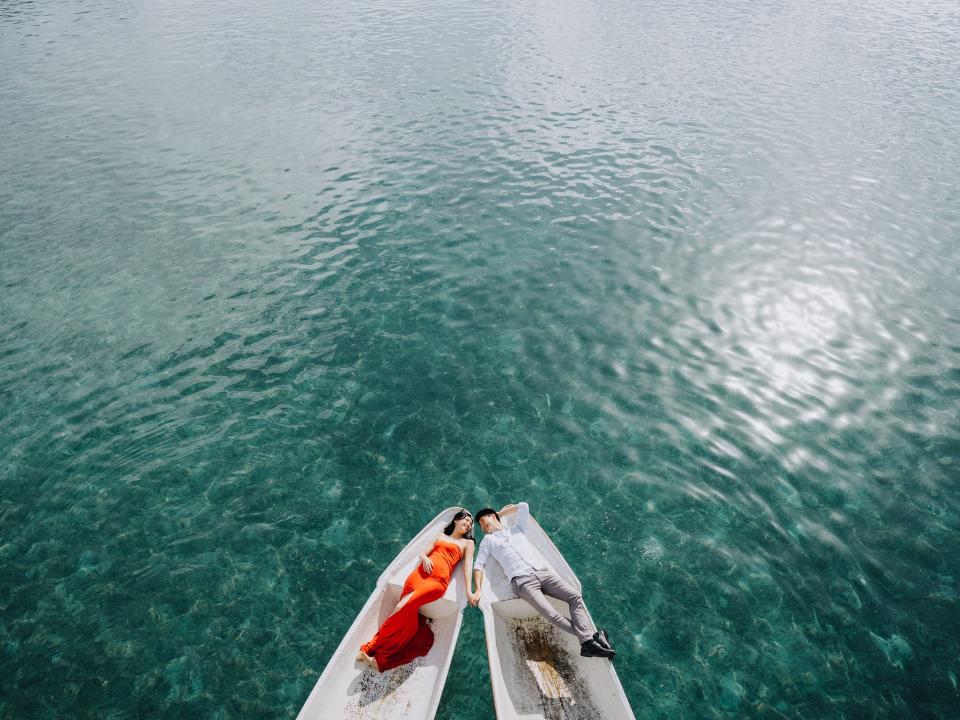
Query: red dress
point(405, 635)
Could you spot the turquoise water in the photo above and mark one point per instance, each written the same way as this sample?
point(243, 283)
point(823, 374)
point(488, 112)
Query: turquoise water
point(280, 280)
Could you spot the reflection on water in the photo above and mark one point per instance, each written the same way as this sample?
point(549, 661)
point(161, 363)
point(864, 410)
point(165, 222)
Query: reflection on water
point(276, 281)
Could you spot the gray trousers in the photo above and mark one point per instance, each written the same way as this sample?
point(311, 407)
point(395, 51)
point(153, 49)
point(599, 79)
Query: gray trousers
point(534, 586)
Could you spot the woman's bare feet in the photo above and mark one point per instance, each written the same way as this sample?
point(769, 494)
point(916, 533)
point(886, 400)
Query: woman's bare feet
point(365, 659)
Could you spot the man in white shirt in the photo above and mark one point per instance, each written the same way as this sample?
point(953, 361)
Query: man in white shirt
point(531, 578)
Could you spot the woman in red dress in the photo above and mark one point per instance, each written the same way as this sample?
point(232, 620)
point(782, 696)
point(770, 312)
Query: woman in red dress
point(406, 635)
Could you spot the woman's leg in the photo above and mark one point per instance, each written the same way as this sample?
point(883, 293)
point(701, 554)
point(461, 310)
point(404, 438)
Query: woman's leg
point(402, 601)
point(388, 646)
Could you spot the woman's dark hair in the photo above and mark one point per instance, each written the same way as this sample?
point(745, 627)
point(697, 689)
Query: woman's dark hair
point(486, 511)
point(448, 530)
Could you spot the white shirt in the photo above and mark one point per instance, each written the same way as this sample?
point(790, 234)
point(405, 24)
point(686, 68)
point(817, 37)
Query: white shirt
point(511, 549)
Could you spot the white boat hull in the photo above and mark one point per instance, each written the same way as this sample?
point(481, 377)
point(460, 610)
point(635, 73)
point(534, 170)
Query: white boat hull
point(346, 689)
point(535, 669)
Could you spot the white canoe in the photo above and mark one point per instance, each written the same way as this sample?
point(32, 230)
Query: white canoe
point(410, 692)
point(535, 669)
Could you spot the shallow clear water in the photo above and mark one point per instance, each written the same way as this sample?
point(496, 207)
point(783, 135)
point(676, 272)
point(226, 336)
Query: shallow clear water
point(279, 280)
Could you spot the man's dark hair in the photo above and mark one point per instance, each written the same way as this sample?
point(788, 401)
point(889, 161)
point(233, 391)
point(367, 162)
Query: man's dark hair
point(485, 511)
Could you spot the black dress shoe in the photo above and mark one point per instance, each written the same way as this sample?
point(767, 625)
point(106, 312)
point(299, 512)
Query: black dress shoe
point(591, 648)
point(601, 637)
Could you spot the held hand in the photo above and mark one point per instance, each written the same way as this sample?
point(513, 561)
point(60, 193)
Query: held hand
point(473, 598)
point(427, 564)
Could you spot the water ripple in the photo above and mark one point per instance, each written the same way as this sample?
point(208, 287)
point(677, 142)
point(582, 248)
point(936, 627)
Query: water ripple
point(269, 273)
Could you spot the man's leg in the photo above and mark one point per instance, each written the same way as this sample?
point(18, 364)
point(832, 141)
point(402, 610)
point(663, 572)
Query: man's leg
point(528, 587)
point(552, 585)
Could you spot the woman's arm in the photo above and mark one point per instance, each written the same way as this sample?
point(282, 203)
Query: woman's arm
point(425, 561)
point(478, 579)
point(468, 570)
point(482, 554)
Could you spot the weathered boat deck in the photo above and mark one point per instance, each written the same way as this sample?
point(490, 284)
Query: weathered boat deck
point(545, 682)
